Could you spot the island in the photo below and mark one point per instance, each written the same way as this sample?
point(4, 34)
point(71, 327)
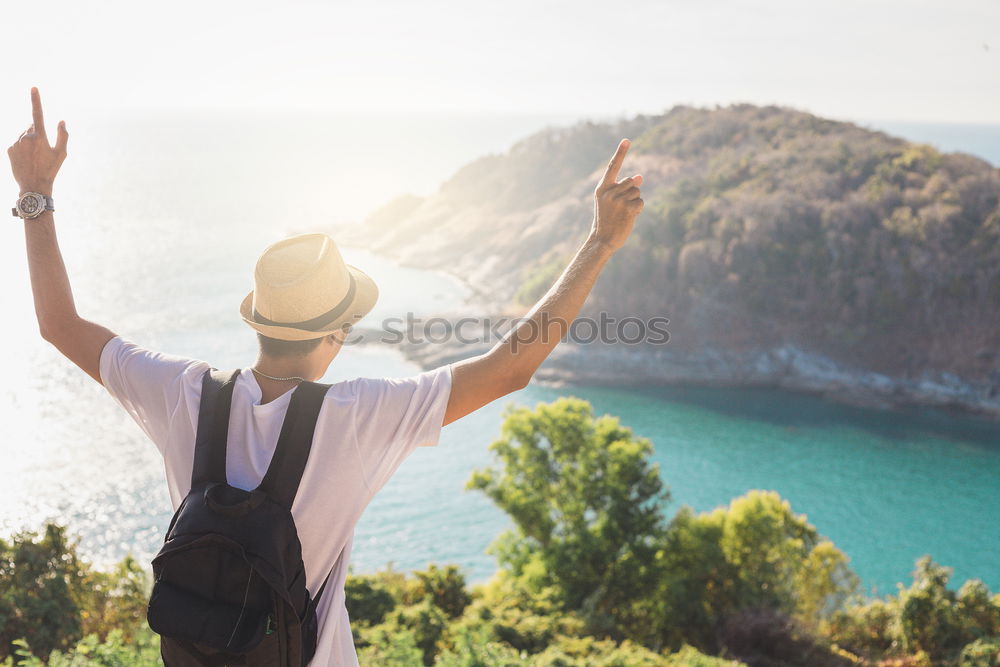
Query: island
point(785, 250)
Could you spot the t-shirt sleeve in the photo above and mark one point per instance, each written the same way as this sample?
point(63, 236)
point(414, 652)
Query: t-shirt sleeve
point(149, 385)
point(397, 415)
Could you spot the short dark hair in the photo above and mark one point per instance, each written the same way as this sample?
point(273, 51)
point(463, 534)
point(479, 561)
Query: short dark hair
point(272, 347)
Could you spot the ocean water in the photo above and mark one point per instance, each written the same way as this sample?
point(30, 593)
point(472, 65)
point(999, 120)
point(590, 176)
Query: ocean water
point(979, 139)
point(160, 221)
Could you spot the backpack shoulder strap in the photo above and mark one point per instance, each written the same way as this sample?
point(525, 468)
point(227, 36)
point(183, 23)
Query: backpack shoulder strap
point(284, 473)
point(213, 426)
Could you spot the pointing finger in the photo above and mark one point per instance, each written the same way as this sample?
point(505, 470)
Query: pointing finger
point(62, 136)
point(36, 113)
point(611, 175)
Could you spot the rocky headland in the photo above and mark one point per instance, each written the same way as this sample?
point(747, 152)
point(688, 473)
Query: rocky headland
point(786, 250)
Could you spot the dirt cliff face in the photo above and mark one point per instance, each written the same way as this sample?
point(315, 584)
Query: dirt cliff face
point(763, 227)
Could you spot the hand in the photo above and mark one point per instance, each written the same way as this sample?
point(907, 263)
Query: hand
point(32, 160)
point(616, 203)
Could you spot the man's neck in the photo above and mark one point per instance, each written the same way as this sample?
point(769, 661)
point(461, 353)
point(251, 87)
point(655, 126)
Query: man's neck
point(290, 367)
point(270, 389)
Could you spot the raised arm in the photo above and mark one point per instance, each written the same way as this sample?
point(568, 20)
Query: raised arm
point(35, 164)
point(511, 363)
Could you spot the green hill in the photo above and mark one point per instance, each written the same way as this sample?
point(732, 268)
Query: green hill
point(764, 227)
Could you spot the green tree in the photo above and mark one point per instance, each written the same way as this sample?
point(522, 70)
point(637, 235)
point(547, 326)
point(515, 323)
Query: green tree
point(38, 578)
point(754, 555)
point(587, 504)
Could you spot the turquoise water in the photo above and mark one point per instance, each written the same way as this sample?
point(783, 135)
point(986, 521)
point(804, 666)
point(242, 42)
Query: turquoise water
point(160, 225)
point(885, 487)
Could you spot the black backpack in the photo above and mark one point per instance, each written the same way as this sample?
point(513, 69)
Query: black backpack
point(230, 585)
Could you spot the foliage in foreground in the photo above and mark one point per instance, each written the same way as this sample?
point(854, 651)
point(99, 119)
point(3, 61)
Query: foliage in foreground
point(591, 575)
point(52, 599)
point(116, 650)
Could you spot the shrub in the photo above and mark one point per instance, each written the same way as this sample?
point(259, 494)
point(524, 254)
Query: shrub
point(927, 618)
point(527, 620)
point(865, 629)
point(933, 619)
point(769, 638)
point(424, 621)
point(39, 576)
point(757, 556)
point(140, 649)
point(445, 587)
point(591, 652)
point(390, 648)
point(475, 646)
point(981, 653)
point(368, 599)
point(51, 598)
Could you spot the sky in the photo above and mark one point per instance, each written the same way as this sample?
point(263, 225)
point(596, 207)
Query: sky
point(909, 60)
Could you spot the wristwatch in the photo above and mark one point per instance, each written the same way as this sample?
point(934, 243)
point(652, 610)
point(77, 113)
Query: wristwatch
point(32, 204)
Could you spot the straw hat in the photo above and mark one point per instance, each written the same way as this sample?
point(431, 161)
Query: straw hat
point(302, 289)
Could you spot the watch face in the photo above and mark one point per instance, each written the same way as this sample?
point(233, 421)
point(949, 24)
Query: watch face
point(29, 205)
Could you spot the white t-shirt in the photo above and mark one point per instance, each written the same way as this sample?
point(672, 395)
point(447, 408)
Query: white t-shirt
point(365, 429)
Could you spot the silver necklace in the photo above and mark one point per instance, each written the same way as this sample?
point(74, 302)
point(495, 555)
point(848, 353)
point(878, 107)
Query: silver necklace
point(271, 377)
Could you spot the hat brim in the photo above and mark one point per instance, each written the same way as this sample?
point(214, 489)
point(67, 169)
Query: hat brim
point(365, 296)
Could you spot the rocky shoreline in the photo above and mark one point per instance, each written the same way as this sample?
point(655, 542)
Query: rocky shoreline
point(786, 367)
